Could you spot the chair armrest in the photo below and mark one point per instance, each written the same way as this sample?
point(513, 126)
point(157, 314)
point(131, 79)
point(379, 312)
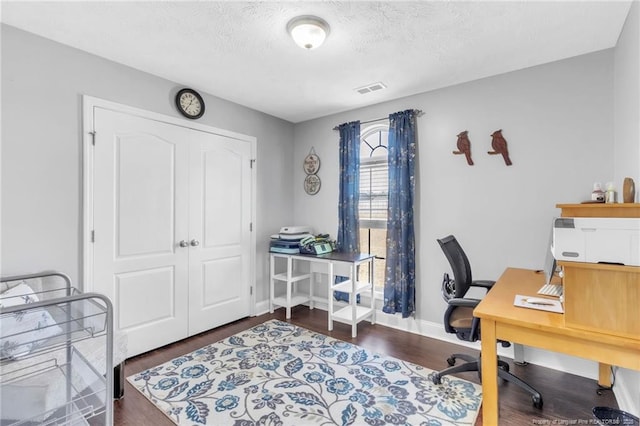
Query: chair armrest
point(486, 284)
point(468, 303)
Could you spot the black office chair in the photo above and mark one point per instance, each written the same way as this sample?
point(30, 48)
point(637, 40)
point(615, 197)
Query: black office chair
point(459, 319)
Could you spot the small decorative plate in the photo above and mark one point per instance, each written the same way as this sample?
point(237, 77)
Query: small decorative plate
point(312, 184)
point(311, 164)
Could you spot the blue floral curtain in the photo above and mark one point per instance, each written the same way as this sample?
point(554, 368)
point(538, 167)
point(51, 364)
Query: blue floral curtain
point(399, 282)
point(348, 239)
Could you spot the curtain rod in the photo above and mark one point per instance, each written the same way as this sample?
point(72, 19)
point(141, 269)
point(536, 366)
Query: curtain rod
point(418, 114)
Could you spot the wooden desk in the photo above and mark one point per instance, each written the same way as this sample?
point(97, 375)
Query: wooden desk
point(326, 263)
point(540, 329)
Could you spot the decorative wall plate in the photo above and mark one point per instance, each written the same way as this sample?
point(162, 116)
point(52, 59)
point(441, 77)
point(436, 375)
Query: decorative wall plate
point(311, 164)
point(312, 184)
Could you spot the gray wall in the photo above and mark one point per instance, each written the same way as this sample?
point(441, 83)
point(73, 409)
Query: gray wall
point(627, 153)
point(627, 101)
point(42, 85)
point(558, 121)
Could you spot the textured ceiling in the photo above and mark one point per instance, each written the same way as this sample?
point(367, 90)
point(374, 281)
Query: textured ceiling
point(240, 51)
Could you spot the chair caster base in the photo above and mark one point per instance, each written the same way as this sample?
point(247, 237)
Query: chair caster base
point(537, 401)
point(436, 379)
point(503, 366)
point(451, 361)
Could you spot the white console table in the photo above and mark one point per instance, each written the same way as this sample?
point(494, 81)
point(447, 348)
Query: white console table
point(351, 314)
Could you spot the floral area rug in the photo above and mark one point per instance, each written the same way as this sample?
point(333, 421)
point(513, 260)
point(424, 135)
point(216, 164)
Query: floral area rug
point(279, 374)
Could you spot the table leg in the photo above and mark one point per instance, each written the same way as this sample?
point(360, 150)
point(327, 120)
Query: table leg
point(312, 277)
point(271, 282)
point(354, 300)
point(289, 274)
point(330, 278)
point(373, 293)
point(489, 372)
point(604, 375)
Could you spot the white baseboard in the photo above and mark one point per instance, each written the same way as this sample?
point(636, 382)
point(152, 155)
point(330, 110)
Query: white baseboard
point(261, 308)
point(624, 391)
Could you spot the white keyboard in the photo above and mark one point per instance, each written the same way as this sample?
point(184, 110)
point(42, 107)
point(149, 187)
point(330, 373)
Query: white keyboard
point(554, 290)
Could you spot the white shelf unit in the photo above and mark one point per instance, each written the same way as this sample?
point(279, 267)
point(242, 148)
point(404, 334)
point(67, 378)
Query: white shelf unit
point(45, 378)
point(290, 279)
point(353, 313)
point(346, 316)
point(331, 264)
point(346, 287)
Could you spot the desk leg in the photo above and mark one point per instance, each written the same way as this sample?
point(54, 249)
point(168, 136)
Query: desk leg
point(489, 372)
point(271, 282)
point(312, 277)
point(354, 300)
point(330, 279)
point(604, 375)
point(373, 293)
point(289, 284)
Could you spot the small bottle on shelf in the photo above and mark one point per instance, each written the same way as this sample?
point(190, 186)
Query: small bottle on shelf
point(598, 194)
point(610, 195)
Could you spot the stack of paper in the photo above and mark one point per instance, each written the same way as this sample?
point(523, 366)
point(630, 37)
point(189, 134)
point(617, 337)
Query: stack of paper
point(538, 303)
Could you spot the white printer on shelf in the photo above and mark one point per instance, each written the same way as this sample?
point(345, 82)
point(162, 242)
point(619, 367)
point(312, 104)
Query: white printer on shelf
point(597, 240)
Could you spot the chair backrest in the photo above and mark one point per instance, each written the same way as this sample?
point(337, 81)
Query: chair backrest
point(459, 265)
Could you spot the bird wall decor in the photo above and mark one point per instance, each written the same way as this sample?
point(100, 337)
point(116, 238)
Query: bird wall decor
point(464, 146)
point(499, 145)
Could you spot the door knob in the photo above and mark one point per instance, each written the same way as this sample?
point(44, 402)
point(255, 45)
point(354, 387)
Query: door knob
point(195, 243)
point(183, 243)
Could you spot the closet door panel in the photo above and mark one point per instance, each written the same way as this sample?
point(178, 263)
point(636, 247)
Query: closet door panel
point(220, 222)
point(140, 204)
point(145, 195)
point(222, 199)
point(133, 288)
point(218, 278)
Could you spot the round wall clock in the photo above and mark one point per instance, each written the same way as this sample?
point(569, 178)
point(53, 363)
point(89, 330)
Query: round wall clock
point(190, 103)
point(312, 184)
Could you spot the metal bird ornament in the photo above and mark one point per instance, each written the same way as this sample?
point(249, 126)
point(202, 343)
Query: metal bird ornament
point(499, 145)
point(464, 146)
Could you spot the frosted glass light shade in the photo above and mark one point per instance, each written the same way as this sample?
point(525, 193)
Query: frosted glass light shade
point(309, 32)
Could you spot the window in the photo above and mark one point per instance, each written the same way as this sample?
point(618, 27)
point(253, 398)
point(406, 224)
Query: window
point(374, 196)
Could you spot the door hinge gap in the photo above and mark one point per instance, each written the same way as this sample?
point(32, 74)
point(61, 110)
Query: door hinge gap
point(251, 227)
point(93, 236)
point(253, 160)
point(93, 138)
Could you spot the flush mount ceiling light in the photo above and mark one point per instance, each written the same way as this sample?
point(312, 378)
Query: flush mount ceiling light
point(308, 31)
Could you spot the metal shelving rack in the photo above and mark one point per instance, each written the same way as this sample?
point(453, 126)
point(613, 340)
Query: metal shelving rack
point(50, 380)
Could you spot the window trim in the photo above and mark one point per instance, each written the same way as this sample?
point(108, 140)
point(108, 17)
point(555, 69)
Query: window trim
point(374, 162)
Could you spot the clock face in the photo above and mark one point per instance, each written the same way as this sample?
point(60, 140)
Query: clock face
point(190, 103)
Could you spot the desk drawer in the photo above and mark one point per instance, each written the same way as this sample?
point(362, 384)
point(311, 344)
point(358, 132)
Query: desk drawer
point(602, 298)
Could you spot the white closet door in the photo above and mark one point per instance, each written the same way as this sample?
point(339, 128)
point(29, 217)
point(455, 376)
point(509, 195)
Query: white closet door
point(220, 219)
point(141, 172)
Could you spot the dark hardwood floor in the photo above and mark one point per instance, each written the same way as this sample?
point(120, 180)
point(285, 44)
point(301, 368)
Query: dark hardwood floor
point(568, 399)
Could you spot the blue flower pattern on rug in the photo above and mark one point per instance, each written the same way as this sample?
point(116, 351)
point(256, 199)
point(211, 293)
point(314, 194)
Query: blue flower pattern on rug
point(279, 374)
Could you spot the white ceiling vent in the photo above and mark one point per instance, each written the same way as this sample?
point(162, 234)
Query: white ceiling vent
point(370, 88)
